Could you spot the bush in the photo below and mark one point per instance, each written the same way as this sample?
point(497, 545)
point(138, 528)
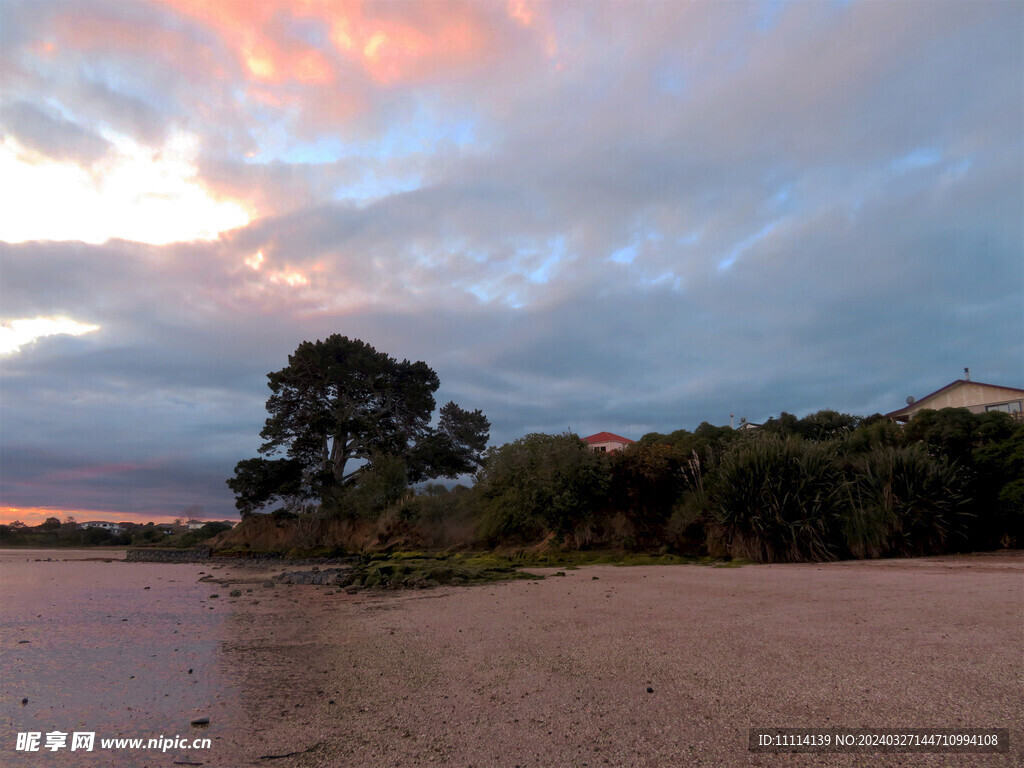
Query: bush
point(380, 486)
point(904, 502)
point(777, 499)
point(646, 482)
point(208, 531)
point(998, 489)
point(539, 484)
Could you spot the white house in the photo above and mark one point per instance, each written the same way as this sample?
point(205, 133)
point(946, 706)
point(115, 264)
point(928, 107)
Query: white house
point(112, 527)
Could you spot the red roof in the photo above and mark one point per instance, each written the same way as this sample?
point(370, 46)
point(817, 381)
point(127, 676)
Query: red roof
point(606, 437)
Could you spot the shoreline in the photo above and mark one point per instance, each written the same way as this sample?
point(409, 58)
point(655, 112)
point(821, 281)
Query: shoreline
point(556, 672)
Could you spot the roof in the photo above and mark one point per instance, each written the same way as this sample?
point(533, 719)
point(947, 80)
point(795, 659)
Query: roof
point(606, 437)
point(957, 383)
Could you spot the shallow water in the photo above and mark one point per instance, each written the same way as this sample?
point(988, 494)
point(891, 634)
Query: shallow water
point(120, 649)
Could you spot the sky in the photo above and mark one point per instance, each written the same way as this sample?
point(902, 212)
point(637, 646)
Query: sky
point(622, 216)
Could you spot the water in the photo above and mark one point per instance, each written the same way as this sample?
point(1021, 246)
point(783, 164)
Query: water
point(107, 647)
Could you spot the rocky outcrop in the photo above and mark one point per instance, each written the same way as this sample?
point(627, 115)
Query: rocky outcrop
point(195, 555)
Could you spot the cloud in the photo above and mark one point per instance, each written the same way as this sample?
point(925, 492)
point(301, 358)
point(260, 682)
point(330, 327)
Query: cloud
point(17, 333)
point(52, 135)
point(629, 218)
point(141, 194)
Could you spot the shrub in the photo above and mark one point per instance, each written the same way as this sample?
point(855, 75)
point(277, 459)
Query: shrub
point(540, 483)
point(998, 488)
point(904, 502)
point(646, 482)
point(208, 531)
point(777, 499)
point(380, 486)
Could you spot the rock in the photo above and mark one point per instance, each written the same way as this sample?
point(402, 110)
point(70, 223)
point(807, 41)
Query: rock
point(24, 702)
point(214, 595)
point(235, 593)
point(199, 722)
point(650, 690)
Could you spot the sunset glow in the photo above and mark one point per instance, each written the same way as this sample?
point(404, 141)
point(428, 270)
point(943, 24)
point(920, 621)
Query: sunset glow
point(32, 516)
point(15, 334)
point(149, 195)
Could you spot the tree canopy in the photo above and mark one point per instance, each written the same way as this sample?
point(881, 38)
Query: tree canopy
point(338, 410)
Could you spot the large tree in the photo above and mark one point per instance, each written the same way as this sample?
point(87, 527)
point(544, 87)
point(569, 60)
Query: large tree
point(339, 408)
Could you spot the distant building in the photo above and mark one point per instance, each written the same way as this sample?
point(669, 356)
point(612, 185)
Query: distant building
point(606, 442)
point(964, 393)
point(747, 426)
point(112, 527)
point(195, 525)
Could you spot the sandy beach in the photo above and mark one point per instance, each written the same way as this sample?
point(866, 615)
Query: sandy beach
point(641, 666)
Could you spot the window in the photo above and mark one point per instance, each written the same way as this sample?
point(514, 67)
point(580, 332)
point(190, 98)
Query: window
point(1011, 407)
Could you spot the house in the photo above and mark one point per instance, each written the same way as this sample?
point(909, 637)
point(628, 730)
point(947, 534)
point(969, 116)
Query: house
point(747, 426)
point(195, 525)
point(606, 442)
point(112, 527)
point(964, 393)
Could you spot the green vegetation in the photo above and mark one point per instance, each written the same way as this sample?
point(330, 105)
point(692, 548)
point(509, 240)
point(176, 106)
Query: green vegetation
point(421, 569)
point(53, 533)
point(825, 487)
point(417, 569)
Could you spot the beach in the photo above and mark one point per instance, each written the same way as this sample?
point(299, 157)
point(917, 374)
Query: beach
point(639, 666)
point(601, 666)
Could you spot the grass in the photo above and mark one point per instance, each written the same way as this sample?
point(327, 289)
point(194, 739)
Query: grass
point(412, 569)
point(398, 570)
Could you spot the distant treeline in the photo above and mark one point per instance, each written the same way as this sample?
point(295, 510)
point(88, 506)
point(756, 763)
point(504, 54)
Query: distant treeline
point(53, 533)
point(824, 487)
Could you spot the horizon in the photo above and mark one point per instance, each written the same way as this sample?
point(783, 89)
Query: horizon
point(624, 218)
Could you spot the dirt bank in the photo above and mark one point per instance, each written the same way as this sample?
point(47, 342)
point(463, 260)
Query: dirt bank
point(644, 666)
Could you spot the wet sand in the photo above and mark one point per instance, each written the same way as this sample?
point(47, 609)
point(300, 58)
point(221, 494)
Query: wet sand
point(94, 644)
point(557, 672)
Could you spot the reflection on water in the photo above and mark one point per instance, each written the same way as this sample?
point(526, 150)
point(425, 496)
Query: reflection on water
point(121, 649)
